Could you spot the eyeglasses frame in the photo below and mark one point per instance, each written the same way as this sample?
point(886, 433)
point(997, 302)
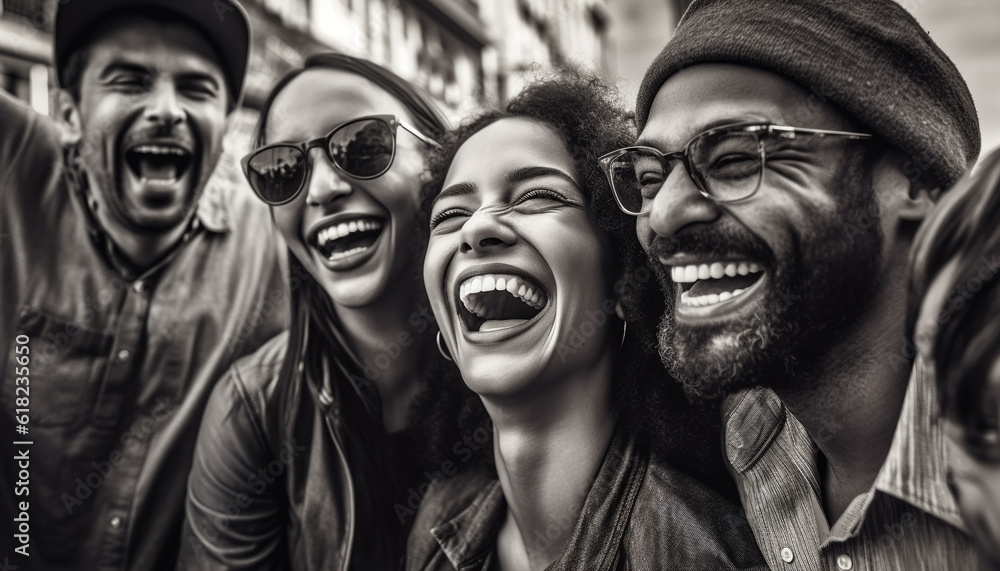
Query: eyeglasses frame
point(684, 155)
point(324, 143)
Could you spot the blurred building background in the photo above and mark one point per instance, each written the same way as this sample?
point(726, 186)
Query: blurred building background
point(474, 53)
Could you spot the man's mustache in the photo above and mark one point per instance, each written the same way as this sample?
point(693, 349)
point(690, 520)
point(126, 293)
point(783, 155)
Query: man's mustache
point(713, 242)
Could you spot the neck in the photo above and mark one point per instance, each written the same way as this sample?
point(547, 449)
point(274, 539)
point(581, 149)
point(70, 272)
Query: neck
point(390, 349)
point(548, 452)
point(851, 404)
point(141, 249)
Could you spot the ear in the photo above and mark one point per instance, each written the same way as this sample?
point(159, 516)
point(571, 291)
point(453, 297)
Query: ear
point(68, 116)
point(914, 192)
point(919, 202)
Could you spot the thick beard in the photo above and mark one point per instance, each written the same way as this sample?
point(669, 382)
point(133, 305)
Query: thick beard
point(812, 300)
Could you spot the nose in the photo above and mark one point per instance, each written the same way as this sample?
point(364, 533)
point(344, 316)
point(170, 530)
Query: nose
point(679, 204)
point(485, 231)
point(164, 107)
point(325, 184)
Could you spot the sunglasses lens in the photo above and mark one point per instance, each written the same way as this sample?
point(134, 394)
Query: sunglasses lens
point(363, 148)
point(728, 164)
point(276, 173)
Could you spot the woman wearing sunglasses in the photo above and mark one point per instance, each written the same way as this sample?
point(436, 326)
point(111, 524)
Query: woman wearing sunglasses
point(525, 274)
point(306, 450)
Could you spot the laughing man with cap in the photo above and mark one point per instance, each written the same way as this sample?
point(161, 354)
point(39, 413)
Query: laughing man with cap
point(788, 151)
point(130, 283)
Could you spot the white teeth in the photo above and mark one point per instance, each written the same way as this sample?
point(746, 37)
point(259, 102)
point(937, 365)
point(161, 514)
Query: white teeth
point(691, 274)
point(710, 299)
point(341, 255)
point(342, 230)
point(514, 285)
point(158, 150)
point(715, 270)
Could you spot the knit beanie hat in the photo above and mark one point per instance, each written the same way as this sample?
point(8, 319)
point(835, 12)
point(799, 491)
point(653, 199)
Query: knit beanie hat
point(869, 58)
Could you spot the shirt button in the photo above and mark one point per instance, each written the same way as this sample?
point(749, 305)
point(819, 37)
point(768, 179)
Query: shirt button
point(116, 523)
point(139, 286)
point(123, 355)
point(787, 556)
point(844, 562)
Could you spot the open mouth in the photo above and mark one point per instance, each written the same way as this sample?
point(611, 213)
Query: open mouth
point(489, 302)
point(158, 163)
point(346, 239)
point(714, 283)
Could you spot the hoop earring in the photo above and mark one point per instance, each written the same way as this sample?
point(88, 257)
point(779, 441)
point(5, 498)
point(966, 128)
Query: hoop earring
point(624, 331)
point(442, 348)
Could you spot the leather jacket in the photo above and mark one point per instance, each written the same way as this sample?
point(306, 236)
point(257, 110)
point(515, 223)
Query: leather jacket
point(640, 514)
point(261, 496)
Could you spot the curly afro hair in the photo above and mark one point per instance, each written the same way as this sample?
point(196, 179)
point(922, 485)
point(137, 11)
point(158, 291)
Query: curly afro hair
point(592, 120)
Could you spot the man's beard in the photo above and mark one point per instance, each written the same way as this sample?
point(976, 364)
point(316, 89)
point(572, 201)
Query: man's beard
point(811, 300)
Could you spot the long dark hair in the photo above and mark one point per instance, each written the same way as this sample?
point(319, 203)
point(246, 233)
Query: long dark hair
point(592, 120)
point(317, 349)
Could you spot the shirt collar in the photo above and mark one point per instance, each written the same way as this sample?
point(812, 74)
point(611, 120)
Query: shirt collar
point(213, 207)
point(914, 470)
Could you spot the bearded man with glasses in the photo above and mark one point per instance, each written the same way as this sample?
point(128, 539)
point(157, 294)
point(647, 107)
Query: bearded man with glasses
point(788, 151)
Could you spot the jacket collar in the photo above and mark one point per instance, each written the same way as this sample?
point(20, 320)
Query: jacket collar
point(468, 539)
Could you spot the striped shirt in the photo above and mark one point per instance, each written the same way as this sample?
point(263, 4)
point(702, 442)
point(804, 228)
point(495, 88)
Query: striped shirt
point(907, 520)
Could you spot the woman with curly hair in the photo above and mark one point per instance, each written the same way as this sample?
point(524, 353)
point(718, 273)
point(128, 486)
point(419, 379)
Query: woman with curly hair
point(308, 446)
point(525, 272)
point(954, 322)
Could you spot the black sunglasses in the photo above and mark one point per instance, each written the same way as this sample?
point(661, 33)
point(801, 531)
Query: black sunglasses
point(361, 148)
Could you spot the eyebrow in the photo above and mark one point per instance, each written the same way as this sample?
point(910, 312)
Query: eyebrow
point(456, 190)
point(125, 67)
point(514, 176)
point(139, 69)
point(523, 174)
point(750, 118)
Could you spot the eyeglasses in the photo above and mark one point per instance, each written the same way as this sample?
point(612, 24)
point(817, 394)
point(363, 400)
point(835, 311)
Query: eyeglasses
point(362, 149)
point(726, 163)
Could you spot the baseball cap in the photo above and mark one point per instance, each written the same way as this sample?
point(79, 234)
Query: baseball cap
point(224, 22)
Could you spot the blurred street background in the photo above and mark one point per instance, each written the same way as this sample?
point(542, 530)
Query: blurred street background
point(471, 54)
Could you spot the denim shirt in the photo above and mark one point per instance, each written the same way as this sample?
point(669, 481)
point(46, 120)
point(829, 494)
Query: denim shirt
point(120, 362)
point(640, 514)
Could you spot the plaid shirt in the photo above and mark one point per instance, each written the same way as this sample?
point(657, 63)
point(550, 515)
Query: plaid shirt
point(908, 520)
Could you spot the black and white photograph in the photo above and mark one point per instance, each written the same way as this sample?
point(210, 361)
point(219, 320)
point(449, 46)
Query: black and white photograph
point(499, 285)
